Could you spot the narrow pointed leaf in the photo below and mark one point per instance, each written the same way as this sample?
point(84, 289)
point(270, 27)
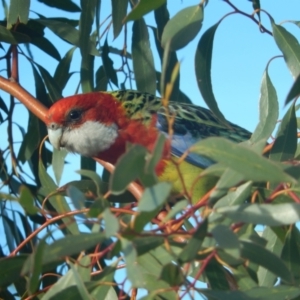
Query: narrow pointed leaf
point(183, 27)
point(46, 46)
point(256, 6)
point(52, 87)
point(67, 32)
point(85, 28)
point(128, 168)
point(71, 245)
point(259, 255)
point(265, 214)
point(226, 240)
point(119, 10)
point(190, 251)
point(61, 74)
point(108, 64)
point(58, 163)
point(10, 269)
point(154, 197)
point(66, 5)
point(203, 61)
point(142, 57)
point(289, 46)
point(142, 8)
point(58, 202)
point(274, 244)
point(134, 272)
point(241, 159)
point(27, 201)
point(294, 91)
point(77, 197)
point(268, 110)
point(111, 223)
point(285, 145)
point(291, 252)
point(216, 276)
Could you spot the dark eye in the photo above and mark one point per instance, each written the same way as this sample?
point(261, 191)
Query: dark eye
point(74, 115)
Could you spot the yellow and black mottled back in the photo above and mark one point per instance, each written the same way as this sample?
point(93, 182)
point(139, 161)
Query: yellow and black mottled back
point(198, 121)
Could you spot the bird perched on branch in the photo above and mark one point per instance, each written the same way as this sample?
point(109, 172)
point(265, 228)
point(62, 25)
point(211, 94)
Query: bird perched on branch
point(100, 124)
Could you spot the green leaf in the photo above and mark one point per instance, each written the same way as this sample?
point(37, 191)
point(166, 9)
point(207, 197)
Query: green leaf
point(10, 269)
point(259, 293)
point(35, 261)
point(154, 197)
point(82, 290)
point(40, 89)
point(227, 180)
point(3, 106)
point(289, 46)
point(52, 87)
point(265, 214)
point(226, 240)
point(294, 91)
point(108, 65)
point(46, 46)
point(159, 289)
point(142, 58)
point(27, 201)
point(11, 37)
point(111, 223)
point(274, 244)
point(285, 145)
point(67, 5)
point(242, 159)
point(31, 139)
point(71, 245)
point(58, 163)
point(119, 10)
point(145, 244)
point(178, 207)
point(256, 6)
point(134, 272)
point(183, 27)
point(172, 274)
point(58, 202)
point(77, 197)
point(144, 218)
point(95, 177)
point(259, 255)
point(98, 208)
point(67, 32)
point(291, 252)
point(190, 251)
point(216, 276)
point(142, 8)
point(128, 168)
point(85, 28)
point(18, 10)
point(203, 61)
point(61, 75)
point(101, 80)
point(268, 110)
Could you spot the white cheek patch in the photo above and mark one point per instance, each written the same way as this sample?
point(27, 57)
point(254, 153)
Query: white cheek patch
point(90, 138)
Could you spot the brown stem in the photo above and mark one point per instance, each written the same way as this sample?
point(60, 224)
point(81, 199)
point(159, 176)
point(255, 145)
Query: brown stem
point(14, 89)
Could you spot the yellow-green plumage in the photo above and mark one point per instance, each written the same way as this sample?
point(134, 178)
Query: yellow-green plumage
point(192, 123)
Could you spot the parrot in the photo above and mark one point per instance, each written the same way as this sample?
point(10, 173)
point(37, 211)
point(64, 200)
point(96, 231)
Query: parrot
point(101, 124)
